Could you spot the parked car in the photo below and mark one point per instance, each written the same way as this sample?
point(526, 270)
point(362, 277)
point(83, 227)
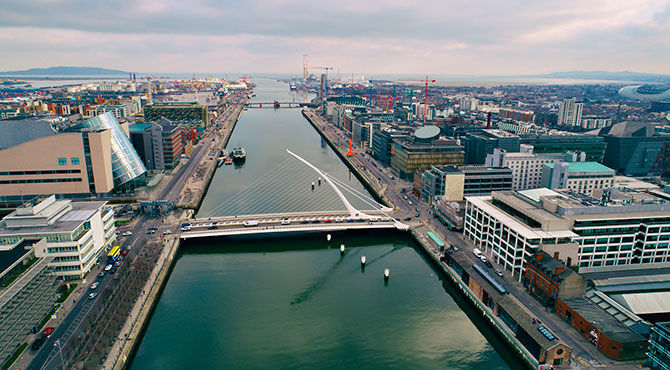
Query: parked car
point(92, 295)
point(124, 253)
point(108, 267)
point(37, 344)
point(47, 331)
point(499, 273)
point(488, 264)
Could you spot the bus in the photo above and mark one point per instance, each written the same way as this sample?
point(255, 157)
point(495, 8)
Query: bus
point(437, 240)
point(113, 254)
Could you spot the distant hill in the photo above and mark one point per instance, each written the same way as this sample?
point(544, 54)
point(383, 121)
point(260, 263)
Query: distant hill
point(65, 71)
point(612, 76)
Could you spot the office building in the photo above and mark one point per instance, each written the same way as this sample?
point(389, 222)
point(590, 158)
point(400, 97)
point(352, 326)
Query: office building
point(423, 150)
point(454, 182)
point(614, 229)
point(570, 113)
point(595, 122)
point(362, 132)
point(158, 145)
point(75, 234)
point(525, 165)
point(581, 177)
point(93, 157)
point(659, 346)
point(28, 294)
point(480, 143)
point(634, 148)
point(562, 142)
point(189, 114)
point(382, 141)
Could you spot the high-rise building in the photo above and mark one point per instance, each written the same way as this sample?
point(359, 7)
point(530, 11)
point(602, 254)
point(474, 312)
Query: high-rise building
point(570, 113)
point(659, 346)
point(480, 143)
point(454, 182)
point(595, 122)
point(305, 68)
point(159, 145)
point(382, 142)
point(324, 86)
point(633, 148)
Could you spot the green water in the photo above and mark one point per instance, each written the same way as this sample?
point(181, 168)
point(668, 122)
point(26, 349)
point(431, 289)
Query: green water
point(294, 303)
point(289, 303)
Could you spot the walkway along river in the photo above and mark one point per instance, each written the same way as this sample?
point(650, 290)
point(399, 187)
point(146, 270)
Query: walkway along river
point(295, 302)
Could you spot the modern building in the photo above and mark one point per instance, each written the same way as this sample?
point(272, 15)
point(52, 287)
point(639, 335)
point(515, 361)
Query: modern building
point(362, 132)
point(481, 143)
point(581, 177)
point(74, 234)
point(93, 157)
point(28, 291)
point(595, 122)
point(159, 145)
point(382, 142)
point(633, 148)
point(659, 346)
point(562, 142)
point(189, 114)
point(422, 151)
point(646, 92)
point(525, 165)
point(570, 113)
point(613, 230)
point(454, 182)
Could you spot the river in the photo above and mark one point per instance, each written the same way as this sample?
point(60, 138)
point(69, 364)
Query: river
point(295, 302)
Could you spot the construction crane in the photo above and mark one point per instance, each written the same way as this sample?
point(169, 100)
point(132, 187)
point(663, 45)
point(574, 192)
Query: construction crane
point(325, 92)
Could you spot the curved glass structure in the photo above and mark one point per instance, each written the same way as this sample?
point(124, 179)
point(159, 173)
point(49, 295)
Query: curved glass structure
point(126, 163)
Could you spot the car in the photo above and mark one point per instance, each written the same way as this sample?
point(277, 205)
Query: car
point(360, 220)
point(117, 263)
point(108, 267)
point(101, 274)
point(151, 231)
point(350, 220)
point(328, 221)
point(94, 285)
point(416, 209)
point(127, 233)
point(92, 295)
point(488, 264)
point(499, 273)
point(483, 258)
point(37, 344)
point(304, 221)
point(408, 218)
point(285, 222)
point(124, 253)
point(113, 270)
point(417, 215)
point(455, 248)
point(212, 227)
point(168, 232)
point(409, 202)
point(47, 331)
point(215, 223)
point(316, 221)
point(128, 248)
point(397, 218)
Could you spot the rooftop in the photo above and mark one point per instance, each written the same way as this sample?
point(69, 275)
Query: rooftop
point(21, 131)
point(584, 167)
point(66, 223)
point(9, 256)
point(602, 320)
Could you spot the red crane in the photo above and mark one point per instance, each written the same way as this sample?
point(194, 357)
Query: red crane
point(425, 98)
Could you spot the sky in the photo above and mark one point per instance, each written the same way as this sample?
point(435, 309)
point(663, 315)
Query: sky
point(443, 37)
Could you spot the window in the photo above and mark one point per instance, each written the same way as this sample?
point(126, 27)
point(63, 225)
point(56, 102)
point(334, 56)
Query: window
point(62, 161)
point(74, 160)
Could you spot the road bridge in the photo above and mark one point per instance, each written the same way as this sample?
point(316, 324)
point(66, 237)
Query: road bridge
point(278, 104)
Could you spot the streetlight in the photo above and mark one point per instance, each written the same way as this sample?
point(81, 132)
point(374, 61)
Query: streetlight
point(60, 352)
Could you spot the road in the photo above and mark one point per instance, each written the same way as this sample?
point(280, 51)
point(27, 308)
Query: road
point(48, 356)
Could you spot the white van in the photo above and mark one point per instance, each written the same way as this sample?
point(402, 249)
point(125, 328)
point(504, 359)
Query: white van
point(477, 252)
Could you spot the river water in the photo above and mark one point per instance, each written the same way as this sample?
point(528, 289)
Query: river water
point(295, 302)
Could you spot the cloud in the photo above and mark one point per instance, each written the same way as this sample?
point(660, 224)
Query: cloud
point(372, 36)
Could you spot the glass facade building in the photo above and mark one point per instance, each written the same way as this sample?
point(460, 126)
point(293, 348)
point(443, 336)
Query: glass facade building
point(126, 163)
point(659, 346)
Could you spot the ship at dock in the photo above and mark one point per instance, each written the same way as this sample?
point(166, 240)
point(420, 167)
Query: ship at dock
point(239, 155)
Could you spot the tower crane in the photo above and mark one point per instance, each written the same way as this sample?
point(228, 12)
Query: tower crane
point(425, 98)
point(325, 93)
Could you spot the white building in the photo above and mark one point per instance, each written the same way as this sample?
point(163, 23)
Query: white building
point(613, 230)
point(526, 167)
point(76, 233)
point(570, 113)
point(594, 122)
point(581, 177)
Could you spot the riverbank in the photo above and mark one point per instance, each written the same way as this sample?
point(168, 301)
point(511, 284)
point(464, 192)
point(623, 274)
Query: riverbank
point(374, 187)
point(196, 187)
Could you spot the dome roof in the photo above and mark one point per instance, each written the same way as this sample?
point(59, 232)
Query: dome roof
point(427, 133)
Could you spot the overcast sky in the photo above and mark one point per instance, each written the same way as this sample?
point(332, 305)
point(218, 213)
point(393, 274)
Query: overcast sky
point(362, 36)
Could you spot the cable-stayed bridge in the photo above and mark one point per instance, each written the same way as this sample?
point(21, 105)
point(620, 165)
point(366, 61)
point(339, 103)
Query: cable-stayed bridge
point(268, 205)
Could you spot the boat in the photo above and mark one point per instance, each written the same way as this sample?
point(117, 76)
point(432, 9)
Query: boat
point(228, 161)
point(239, 155)
point(292, 86)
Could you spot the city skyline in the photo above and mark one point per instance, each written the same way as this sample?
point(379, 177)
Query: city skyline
point(362, 38)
